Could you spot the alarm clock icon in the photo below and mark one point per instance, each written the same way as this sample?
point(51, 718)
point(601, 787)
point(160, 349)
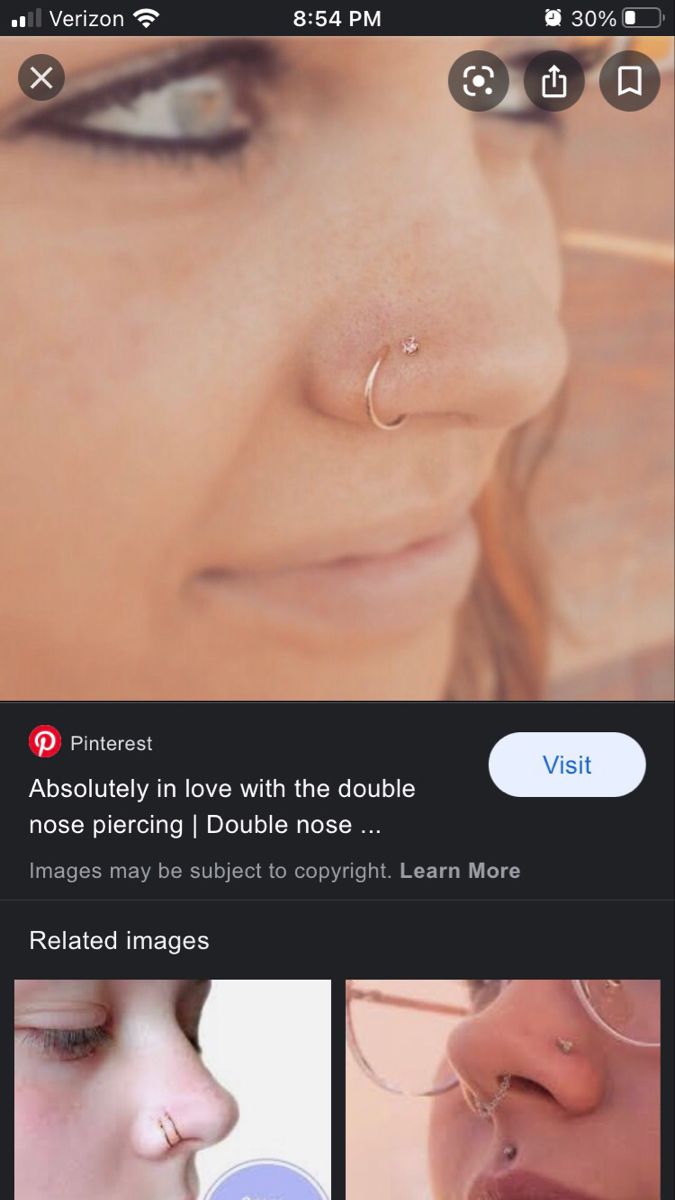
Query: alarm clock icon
point(553, 16)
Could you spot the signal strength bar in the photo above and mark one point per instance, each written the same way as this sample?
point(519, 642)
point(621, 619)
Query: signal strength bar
point(29, 21)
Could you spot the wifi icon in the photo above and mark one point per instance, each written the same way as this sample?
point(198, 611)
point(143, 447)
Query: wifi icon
point(146, 16)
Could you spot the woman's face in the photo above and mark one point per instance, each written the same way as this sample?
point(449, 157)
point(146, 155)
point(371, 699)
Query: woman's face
point(205, 247)
point(584, 1124)
point(106, 1072)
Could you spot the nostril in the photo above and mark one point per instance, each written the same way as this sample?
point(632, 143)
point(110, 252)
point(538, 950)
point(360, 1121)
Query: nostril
point(530, 1087)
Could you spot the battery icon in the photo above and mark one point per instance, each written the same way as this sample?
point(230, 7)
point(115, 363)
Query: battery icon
point(642, 18)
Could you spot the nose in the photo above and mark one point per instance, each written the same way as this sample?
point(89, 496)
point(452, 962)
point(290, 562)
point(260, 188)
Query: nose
point(536, 1033)
point(190, 1112)
point(491, 348)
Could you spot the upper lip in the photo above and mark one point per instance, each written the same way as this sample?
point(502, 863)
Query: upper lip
point(524, 1185)
point(386, 539)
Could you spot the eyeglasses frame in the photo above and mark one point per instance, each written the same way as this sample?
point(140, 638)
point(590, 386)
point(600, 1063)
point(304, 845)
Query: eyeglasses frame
point(429, 1006)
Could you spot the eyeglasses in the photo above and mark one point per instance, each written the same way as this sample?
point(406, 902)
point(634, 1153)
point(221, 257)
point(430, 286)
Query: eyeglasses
point(398, 1029)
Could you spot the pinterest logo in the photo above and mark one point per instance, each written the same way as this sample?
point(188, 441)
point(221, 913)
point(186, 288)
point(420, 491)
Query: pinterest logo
point(45, 741)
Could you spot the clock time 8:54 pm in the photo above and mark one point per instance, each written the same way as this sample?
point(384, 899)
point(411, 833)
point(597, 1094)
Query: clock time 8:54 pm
point(354, 18)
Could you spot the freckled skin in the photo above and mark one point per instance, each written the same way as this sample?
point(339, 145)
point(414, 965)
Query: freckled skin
point(595, 1128)
point(89, 1127)
point(185, 353)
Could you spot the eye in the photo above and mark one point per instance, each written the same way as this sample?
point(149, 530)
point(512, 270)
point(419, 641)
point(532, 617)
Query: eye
point(516, 103)
point(483, 991)
point(67, 1045)
point(189, 1011)
point(190, 1027)
point(204, 109)
point(589, 52)
point(204, 101)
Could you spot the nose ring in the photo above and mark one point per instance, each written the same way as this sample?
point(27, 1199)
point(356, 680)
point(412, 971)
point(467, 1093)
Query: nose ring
point(409, 345)
point(564, 1046)
point(170, 1130)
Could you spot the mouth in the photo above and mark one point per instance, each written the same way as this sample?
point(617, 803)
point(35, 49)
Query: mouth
point(385, 581)
point(524, 1185)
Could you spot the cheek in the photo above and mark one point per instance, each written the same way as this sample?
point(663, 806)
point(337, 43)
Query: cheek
point(148, 380)
point(107, 424)
point(455, 1141)
point(645, 1130)
point(52, 1134)
point(38, 1121)
point(524, 202)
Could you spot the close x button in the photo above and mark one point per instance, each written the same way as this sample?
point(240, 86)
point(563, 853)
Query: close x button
point(41, 77)
point(567, 764)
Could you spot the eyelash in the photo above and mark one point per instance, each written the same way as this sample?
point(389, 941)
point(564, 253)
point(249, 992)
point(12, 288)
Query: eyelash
point(71, 1045)
point(590, 60)
point(479, 990)
point(68, 1045)
point(250, 65)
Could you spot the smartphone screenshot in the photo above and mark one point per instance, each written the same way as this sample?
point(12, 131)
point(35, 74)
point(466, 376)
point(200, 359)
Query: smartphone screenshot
point(336, 601)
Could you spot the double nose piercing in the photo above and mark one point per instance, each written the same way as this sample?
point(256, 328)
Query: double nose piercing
point(409, 345)
point(169, 1129)
point(485, 1108)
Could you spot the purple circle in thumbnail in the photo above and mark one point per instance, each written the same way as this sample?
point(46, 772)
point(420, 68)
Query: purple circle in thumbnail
point(266, 1179)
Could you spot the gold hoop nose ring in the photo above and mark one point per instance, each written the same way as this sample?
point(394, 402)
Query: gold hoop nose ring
point(368, 394)
point(170, 1130)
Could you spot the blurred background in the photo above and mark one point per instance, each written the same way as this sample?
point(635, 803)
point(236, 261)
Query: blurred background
point(268, 1042)
point(386, 1142)
point(603, 501)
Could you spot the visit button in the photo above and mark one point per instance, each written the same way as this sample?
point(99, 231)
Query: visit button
point(567, 764)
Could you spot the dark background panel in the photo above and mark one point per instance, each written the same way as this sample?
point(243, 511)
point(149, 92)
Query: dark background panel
point(427, 17)
point(565, 847)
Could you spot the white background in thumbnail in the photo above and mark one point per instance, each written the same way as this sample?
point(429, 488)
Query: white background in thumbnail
point(268, 1042)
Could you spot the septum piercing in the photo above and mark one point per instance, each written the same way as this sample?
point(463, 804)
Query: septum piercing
point(409, 345)
point(485, 1108)
point(170, 1130)
point(565, 1046)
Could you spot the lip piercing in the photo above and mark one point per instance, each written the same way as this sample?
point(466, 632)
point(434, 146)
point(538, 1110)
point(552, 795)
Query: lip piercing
point(564, 1045)
point(170, 1130)
point(409, 345)
point(486, 1108)
point(509, 1152)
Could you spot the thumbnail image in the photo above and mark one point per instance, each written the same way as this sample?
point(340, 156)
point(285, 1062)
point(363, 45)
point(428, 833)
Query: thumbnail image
point(124, 1087)
point(503, 1089)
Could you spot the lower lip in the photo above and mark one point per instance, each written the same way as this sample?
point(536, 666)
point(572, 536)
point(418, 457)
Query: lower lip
point(389, 593)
